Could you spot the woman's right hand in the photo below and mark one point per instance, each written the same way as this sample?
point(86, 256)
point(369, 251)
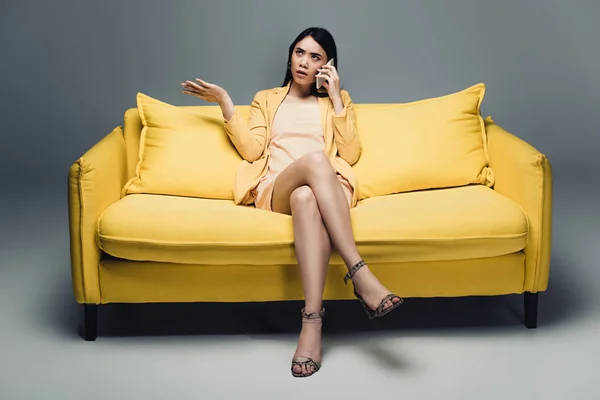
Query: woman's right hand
point(205, 91)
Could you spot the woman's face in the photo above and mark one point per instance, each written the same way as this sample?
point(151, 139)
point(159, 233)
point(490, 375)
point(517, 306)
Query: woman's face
point(308, 56)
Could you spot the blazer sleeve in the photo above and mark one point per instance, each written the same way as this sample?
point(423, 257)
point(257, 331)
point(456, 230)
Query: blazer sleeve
point(249, 136)
point(345, 131)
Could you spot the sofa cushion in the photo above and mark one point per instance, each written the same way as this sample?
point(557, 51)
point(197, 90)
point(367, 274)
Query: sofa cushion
point(431, 143)
point(443, 224)
point(183, 153)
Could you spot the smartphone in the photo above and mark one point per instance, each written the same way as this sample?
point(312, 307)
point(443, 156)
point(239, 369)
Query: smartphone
point(321, 80)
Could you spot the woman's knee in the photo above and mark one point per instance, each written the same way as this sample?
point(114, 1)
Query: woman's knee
point(317, 164)
point(303, 197)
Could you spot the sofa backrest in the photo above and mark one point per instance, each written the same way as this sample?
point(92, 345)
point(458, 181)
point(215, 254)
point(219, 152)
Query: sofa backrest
point(427, 144)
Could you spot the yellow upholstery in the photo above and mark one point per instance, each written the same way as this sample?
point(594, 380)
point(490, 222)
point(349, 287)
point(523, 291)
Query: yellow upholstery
point(430, 143)
point(133, 127)
point(524, 175)
point(124, 281)
point(450, 224)
point(182, 153)
point(468, 240)
point(95, 182)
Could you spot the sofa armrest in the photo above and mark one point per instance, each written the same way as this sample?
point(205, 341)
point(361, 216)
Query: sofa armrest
point(524, 174)
point(95, 181)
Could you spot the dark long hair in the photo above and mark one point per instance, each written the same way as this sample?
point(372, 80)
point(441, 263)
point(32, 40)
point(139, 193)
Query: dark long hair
point(325, 39)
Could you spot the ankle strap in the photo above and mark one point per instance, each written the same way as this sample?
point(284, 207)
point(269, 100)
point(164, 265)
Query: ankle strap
point(353, 270)
point(313, 315)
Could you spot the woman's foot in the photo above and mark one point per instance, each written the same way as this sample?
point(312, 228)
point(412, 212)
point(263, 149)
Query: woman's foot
point(371, 290)
point(309, 346)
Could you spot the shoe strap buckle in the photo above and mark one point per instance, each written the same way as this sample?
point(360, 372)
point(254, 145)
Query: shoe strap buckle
point(313, 315)
point(353, 270)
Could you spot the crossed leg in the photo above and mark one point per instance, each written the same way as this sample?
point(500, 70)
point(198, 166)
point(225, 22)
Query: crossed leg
point(310, 191)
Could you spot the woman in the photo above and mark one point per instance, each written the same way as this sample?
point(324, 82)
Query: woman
point(298, 146)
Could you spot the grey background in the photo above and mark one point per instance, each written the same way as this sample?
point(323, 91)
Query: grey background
point(70, 69)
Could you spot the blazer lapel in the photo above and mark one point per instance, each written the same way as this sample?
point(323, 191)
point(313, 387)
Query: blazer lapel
point(325, 107)
point(274, 100)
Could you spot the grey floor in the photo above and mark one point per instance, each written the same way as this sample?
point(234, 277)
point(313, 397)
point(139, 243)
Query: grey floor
point(468, 348)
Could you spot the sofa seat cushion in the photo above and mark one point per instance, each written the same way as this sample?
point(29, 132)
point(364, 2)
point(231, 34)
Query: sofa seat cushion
point(441, 224)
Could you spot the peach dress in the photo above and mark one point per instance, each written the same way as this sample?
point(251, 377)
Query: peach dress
point(296, 131)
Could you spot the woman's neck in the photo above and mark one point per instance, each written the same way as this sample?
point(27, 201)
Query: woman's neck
point(300, 91)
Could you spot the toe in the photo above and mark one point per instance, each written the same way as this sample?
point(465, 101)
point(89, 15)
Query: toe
point(297, 369)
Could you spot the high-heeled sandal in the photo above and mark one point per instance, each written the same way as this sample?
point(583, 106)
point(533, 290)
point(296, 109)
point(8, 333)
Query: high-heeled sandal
point(307, 361)
point(380, 311)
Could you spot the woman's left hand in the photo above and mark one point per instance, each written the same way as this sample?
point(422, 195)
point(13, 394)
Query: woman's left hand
point(332, 83)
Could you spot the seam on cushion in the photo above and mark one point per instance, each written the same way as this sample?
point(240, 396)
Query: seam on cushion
point(482, 125)
point(141, 152)
point(137, 177)
point(80, 192)
point(483, 132)
point(540, 170)
point(81, 223)
point(127, 147)
point(179, 244)
point(97, 238)
point(210, 244)
point(527, 222)
point(126, 144)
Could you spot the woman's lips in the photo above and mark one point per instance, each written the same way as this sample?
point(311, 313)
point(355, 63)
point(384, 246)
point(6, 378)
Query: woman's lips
point(301, 73)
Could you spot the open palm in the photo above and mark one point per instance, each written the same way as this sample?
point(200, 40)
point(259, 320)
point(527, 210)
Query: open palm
point(203, 90)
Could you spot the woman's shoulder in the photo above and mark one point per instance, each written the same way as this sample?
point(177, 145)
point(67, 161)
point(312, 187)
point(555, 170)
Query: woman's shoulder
point(344, 93)
point(263, 93)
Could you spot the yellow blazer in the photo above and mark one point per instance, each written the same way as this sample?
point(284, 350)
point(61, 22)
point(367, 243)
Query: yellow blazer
point(251, 138)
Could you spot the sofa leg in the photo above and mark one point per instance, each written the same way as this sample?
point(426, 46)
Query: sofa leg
point(90, 322)
point(531, 309)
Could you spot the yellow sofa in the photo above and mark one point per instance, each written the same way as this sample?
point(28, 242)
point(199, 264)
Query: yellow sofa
point(454, 241)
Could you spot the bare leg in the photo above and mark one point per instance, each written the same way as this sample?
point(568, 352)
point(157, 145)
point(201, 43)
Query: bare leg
point(313, 249)
point(316, 171)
